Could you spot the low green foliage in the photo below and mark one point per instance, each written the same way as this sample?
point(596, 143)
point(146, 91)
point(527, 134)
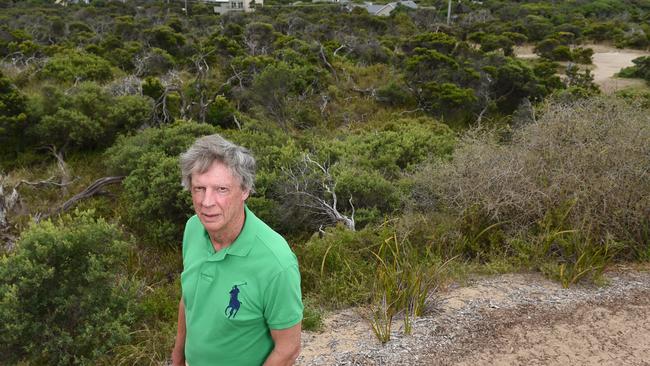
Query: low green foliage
point(312, 318)
point(338, 268)
point(149, 345)
point(155, 205)
point(70, 66)
point(577, 257)
point(65, 299)
point(13, 119)
point(83, 117)
point(641, 69)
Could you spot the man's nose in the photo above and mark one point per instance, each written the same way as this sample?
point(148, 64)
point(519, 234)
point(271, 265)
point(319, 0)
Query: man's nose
point(209, 197)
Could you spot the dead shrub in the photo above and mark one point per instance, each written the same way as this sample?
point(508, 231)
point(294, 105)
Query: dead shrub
point(592, 153)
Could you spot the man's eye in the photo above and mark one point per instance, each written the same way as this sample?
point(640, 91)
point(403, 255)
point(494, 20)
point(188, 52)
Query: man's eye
point(222, 189)
point(198, 189)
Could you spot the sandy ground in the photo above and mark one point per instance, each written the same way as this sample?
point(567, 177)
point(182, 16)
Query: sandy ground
point(515, 319)
point(607, 61)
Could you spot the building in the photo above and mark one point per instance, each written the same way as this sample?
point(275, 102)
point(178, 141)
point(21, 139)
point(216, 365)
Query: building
point(383, 10)
point(225, 6)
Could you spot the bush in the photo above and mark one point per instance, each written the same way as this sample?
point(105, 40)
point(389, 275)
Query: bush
point(641, 69)
point(338, 268)
point(593, 151)
point(85, 116)
point(63, 299)
point(70, 66)
point(156, 207)
point(582, 55)
point(12, 116)
point(395, 95)
point(154, 203)
point(367, 167)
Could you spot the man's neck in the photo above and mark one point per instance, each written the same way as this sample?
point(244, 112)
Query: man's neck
point(227, 236)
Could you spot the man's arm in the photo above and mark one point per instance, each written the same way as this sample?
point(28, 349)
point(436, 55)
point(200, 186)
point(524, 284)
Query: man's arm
point(178, 353)
point(287, 346)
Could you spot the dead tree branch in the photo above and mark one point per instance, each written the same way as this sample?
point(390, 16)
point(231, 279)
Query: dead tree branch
point(339, 48)
point(48, 181)
point(7, 203)
point(319, 194)
point(93, 189)
point(329, 66)
point(63, 168)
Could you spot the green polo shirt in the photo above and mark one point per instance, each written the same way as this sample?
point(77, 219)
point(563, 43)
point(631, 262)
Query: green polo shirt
point(235, 296)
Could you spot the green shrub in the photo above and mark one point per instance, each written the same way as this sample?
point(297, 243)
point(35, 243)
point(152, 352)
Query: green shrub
point(338, 268)
point(64, 297)
point(366, 167)
point(312, 318)
point(155, 205)
point(395, 95)
point(397, 147)
point(561, 53)
point(124, 156)
point(641, 69)
point(13, 119)
point(165, 38)
point(582, 55)
point(85, 116)
point(71, 65)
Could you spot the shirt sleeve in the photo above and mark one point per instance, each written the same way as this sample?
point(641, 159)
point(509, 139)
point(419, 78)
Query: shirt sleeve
point(283, 299)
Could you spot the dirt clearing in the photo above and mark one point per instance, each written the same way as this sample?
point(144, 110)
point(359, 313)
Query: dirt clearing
point(607, 61)
point(515, 319)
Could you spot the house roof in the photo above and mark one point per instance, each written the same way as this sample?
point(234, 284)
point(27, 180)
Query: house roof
point(408, 4)
point(384, 9)
point(377, 8)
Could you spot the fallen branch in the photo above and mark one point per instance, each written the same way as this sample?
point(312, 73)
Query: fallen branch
point(366, 92)
point(93, 189)
point(48, 181)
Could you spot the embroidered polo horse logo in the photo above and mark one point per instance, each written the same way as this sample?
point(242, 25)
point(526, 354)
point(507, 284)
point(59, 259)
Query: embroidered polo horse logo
point(233, 307)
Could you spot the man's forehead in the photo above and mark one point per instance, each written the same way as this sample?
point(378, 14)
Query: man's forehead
point(216, 174)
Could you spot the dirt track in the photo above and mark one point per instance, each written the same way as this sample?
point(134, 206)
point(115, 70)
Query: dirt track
point(519, 319)
point(607, 61)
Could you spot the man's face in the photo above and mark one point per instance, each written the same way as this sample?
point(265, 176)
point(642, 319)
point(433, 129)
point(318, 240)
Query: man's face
point(218, 200)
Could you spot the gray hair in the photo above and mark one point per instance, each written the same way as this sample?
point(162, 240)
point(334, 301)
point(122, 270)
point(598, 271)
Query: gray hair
point(208, 149)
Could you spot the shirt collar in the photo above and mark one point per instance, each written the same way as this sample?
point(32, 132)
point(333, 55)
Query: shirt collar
point(244, 242)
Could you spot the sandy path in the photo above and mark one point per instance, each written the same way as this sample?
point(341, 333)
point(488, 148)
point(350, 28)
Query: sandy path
point(516, 319)
point(607, 61)
point(588, 335)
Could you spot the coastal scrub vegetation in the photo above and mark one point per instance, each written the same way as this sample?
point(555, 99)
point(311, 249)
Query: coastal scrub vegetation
point(393, 152)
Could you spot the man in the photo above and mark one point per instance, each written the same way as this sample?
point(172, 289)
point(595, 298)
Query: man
point(241, 302)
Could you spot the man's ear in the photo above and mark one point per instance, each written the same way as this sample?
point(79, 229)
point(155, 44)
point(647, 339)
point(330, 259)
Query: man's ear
point(245, 194)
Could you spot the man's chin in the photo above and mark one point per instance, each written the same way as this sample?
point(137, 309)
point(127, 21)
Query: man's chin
point(210, 222)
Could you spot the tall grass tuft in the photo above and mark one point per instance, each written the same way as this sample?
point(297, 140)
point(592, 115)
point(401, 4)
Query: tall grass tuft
point(151, 346)
point(403, 283)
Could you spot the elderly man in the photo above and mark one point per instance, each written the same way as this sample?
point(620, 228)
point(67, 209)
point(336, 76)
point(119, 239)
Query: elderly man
point(241, 302)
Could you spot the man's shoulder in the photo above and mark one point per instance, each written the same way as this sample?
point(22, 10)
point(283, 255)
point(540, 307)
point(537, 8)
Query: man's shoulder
point(272, 244)
point(192, 227)
point(193, 221)
point(193, 231)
